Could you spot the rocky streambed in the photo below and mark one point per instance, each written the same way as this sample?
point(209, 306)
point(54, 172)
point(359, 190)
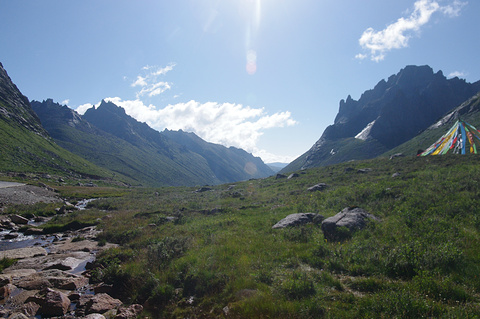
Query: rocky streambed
point(50, 277)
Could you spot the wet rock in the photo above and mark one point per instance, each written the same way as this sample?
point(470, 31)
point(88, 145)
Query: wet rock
point(68, 263)
point(22, 253)
point(129, 312)
point(39, 219)
point(342, 225)
point(11, 235)
point(318, 187)
point(293, 175)
point(17, 219)
point(30, 308)
point(33, 231)
point(17, 315)
point(6, 290)
point(101, 303)
point(103, 288)
point(295, 220)
point(9, 274)
point(52, 302)
point(52, 278)
point(280, 176)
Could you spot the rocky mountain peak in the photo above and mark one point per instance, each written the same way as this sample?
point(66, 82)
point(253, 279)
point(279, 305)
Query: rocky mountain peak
point(111, 107)
point(15, 108)
point(51, 112)
point(388, 115)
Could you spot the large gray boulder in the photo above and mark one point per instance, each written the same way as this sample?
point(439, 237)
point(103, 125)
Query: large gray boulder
point(342, 225)
point(297, 220)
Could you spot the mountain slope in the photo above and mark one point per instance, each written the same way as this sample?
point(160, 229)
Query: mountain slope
point(146, 162)
point(393, 112)
point(110, 138)
point(25, 145)
point(468, 111)
point(228, 164)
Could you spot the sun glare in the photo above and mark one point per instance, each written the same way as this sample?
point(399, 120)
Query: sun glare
point(253, 10)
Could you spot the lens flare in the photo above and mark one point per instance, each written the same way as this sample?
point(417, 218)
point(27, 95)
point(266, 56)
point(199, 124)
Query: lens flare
point(251, 62)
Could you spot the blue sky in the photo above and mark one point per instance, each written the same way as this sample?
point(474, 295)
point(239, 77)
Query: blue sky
point(263, 75)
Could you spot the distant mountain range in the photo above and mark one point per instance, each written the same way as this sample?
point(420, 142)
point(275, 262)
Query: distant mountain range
point(392, 113)
point(110, 138)
point(406, 113)
point(106, 143)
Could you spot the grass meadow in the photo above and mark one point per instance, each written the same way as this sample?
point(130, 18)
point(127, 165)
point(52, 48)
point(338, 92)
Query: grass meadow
point(214, 254)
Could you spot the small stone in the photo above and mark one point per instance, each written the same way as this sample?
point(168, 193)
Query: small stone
point(318, 187)
point(17, 219)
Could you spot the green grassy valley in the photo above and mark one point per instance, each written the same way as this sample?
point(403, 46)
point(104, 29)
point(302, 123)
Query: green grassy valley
point(213, 253)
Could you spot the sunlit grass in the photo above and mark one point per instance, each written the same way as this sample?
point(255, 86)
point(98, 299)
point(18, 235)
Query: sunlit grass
point(184, 254)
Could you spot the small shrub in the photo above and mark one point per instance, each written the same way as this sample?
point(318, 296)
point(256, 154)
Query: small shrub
point(370, 285)
point(159, 254)
point(440, 289)
point(297, 286)
point(330, 281)
point(301, 234)
point(201, 282)
point(6, 262)
point(161, 295)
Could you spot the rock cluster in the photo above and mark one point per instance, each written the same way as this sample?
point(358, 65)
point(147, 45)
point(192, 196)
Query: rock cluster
point(335, 228)
point(50, 279)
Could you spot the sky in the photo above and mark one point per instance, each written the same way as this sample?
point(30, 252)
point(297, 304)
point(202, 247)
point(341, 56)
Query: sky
point(263, 75)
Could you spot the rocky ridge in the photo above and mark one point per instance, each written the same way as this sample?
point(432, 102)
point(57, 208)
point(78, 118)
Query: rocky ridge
point(15, 107)
point(393, 112)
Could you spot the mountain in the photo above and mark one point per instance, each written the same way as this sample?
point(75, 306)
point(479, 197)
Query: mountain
point(277, 166)
point(228, 164)
point(25, 146)
point(15, 109)
point(468, 111)
point(393, 112)
point(110, 138)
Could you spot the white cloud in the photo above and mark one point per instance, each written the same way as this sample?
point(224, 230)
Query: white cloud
point(65, 102)
point(397, 34)
point(457, 74)
point(83, 108)
point(150, 82)
point(453, 10)
point(222, 123)
point(139, 82)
